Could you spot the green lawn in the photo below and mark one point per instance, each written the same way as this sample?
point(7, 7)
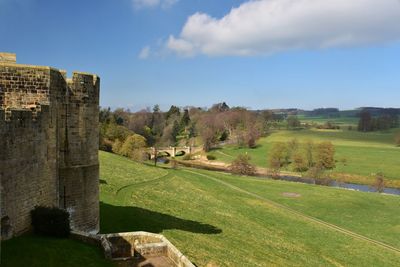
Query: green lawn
point(366, 153)
point(34, 251)
point(212, 222)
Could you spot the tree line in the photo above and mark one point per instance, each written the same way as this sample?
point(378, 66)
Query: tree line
point(387, 119)
point(185, 126)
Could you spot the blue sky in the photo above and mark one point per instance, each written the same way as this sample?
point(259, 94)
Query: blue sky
point(199, 52)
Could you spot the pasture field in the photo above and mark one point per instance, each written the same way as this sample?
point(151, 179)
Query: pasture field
point(240, 221)
point(228, 220)
point(342, 121)
point(365, 153)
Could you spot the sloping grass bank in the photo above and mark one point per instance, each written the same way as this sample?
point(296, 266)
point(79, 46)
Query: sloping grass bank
point(210, 222)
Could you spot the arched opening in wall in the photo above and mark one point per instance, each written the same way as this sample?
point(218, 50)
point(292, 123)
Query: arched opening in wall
point(6, 228)
point(163, 154)
point(163, 157)
point(180, 153)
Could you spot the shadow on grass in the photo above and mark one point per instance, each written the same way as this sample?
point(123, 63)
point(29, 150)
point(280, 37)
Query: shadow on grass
point(119, 219)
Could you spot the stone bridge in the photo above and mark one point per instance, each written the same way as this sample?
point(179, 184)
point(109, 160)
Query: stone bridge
point(173, 151)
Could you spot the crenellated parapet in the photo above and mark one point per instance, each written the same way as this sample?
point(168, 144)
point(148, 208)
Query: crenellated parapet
point(48, 144)
point(84, 87)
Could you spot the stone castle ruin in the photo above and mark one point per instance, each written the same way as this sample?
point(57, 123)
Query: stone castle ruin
point(48, 145)
point(49, 157)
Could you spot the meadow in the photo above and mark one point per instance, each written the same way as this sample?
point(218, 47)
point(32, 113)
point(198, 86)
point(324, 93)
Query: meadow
point(359, 155)
point(240, 221)
point(225, 220)
point(340, 120)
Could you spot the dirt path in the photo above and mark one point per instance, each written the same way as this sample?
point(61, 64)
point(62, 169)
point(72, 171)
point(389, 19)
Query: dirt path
point(309, 218)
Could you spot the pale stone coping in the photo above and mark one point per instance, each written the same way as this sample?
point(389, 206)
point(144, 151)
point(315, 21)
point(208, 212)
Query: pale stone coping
point(84, 73)
point(8, 57)
point(9, 64)
point(7, 54)
point(62, 71)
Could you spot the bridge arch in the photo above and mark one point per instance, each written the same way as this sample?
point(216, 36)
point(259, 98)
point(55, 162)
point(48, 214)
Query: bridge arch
point(173, 151)
point(180, 153)
point(163, 153)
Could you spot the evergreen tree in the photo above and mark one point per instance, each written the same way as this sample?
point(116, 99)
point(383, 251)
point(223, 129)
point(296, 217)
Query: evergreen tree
point(185, 120)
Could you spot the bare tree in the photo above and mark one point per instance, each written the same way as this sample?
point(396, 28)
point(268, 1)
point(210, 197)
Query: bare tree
point(380, 183)
point(209, 128)
point(242, 166)
point(309, 150)
point(299, 162)
point(278, 156)
point(326, 155)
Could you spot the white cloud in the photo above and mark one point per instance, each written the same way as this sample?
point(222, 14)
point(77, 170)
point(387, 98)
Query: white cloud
point(270, 26)
point(144, 53)
point(140, 4)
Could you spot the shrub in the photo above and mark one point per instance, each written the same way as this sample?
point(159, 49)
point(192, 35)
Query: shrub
point(242, 166)
point(211, 157)
point(380, 183)
point(133, 147)
point(116, 147)
point(50, 221)
point(105, 145)
point(329, 125)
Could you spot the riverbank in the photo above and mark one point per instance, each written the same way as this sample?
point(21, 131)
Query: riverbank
point(344, 181)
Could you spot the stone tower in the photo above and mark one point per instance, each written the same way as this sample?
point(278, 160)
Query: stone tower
point(48, 145)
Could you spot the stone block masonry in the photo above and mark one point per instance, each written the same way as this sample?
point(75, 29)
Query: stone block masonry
point(48, 145)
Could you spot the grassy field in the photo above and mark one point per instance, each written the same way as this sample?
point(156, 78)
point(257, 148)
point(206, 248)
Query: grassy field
point(231, 221)
point(365, 153)
point(341, 121)
point(34, 251)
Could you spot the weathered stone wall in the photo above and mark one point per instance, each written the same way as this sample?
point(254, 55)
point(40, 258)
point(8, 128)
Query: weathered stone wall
point(28, 168)
point(28, 157)
point(48, 145)
point(24, 86)
point(79, 169)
